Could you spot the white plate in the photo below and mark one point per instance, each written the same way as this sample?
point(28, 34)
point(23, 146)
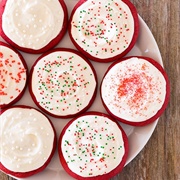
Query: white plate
point(138, 136)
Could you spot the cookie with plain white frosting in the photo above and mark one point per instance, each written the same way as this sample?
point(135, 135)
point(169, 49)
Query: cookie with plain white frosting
point(13, 75)
point(93, 146)
point(33, 26)
point(135, 90)
point(63, 83)
point(104, 30)
point(27, 139)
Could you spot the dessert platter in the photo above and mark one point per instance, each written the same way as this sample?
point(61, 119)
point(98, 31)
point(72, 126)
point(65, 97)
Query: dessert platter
point(76, 78)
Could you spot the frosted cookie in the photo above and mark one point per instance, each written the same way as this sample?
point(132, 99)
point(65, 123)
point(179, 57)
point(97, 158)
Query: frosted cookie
point(104, 30)
point(63, 83)
point(135, 90)
point(93, 146)
point(28, 141)
point(13, 75)
point(33, 26)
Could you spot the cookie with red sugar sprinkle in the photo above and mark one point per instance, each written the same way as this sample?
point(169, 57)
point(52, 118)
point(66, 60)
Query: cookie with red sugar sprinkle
point(33, 26)
point(63, 83)
point(104, 30)
point(135, 90)
point(93, 146)
point(13, 75)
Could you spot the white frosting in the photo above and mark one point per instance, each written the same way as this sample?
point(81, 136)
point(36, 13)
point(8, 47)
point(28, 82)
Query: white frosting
point(134, 90)
point(63, 83)
point(12, 75)
point(92, 145)
point(32, 23)
point(103, 29)
point(26, 139)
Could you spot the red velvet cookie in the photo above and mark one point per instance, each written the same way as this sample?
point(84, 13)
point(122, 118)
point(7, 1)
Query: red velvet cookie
point(135, 90)
point(104, 30)
point(13, 75)
point(93, 146)
point(28, 141)
point(63, 83)
point(33, 26)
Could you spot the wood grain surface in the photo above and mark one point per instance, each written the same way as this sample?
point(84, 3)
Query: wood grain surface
point(159, 160)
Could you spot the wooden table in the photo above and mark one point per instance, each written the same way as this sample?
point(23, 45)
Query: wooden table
point(159, 160)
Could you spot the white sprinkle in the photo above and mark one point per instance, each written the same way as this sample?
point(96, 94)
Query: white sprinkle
point(29, 149)
point(40, 20)
point(13, 142)
point(35, 26)
point(30, 162)
point(16, 14)
point(15, 157)
point(34, 119)
point(40, 152)
point(18, 166)
point(19, 24)
point(28, 122)
point(47, 134)
point(13, 148)
point(21, 149)
point(33, 144)
point(42, 128)
point(19, 160)
point(17, 147)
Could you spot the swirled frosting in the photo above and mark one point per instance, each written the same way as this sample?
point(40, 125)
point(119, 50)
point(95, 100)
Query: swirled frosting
point(26, 139)
point(63, 83)
point(92, 145)
point(12, 75)
point(103, 29)
point(134, 89)
point(32, 23)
